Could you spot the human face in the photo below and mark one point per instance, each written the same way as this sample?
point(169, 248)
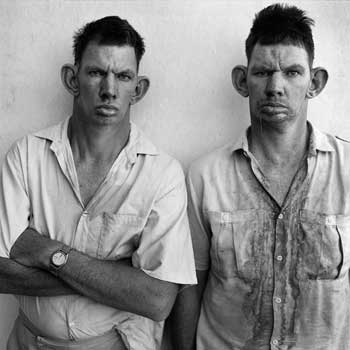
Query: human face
point(107, 78)
point(278, 79)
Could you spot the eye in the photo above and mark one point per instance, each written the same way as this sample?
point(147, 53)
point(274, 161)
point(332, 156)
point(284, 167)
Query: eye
point(292, 73)
point(261, 73)
point(95, 73)
point(124, 77)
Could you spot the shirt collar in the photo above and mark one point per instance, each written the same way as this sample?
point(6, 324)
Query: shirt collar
point(138, 143)
point(318, 141)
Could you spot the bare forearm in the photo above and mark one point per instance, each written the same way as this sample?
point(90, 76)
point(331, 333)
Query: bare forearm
point(113, 283)
point(118, 284)
point(21, 280)
point(185, 314)
point(183, 320)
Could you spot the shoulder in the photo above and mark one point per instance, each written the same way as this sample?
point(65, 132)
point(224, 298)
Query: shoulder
point(338, 143)
point(51, 133)
point(211, 163)
point(333, 147)
point(155, 159)
point(342, 139)
point(342, 148)
point(32, 144)
point(154, 165)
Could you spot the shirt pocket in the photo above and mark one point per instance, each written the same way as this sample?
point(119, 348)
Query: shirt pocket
point(119, 235)
point(324, 245)
point(239, 243)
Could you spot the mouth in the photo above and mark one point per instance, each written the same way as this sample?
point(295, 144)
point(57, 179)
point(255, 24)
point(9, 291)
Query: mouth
point(106, 110)
point(273, 107)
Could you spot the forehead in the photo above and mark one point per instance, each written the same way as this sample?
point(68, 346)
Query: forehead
point(110, 55)
point(279, 54)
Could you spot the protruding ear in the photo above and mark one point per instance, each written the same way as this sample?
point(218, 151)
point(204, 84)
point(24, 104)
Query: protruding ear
point(142, 86)
point(69, 78)
point(239, 80)
point(319, 78)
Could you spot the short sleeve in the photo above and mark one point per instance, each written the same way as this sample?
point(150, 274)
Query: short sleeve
point(199, 228)
point(165, 247)
point(14, 201)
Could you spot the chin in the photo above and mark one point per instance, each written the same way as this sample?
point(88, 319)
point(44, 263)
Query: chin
point(104, 120)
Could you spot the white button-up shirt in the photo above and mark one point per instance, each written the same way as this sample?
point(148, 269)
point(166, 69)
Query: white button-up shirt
point(138, 212)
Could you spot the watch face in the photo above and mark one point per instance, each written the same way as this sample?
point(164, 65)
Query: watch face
point(59, 258)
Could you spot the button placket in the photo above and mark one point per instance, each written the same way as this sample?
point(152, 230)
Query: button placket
point(278, 273)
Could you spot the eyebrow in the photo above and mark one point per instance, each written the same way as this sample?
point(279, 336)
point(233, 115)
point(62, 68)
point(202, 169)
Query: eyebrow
point(295, 67)
point(123, 71)
point(267, 67)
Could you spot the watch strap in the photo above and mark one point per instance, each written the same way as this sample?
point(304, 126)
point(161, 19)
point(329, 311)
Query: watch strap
point(65, 249)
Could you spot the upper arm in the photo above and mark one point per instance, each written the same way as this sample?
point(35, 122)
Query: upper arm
point(165, 247)
point(185, 314)
point(200, 229)
point(14, 201)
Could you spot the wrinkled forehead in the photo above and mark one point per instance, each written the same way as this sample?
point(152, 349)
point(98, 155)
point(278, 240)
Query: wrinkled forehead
point(99, 53)
point(281, 53)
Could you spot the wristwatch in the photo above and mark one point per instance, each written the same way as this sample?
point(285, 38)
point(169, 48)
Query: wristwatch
point(59, 258)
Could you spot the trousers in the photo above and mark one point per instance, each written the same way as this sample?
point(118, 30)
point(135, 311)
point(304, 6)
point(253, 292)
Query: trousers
point(25, 336)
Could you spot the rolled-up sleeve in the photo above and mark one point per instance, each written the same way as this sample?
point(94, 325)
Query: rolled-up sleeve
point(14, 201)
point(165, 248)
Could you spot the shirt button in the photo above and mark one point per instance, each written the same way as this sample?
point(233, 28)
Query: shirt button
point(85, 213)
point(279, 257)
point(275, 342)
point(278, 300)
point(280, 216)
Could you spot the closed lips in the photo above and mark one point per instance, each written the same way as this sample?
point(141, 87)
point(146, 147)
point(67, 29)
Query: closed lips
point(273, 104)
point(107, 107)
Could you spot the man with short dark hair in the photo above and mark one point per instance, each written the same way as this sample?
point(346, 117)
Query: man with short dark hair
point(94, 236)
point(270, 213)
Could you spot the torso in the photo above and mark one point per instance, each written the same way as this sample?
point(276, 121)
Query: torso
point(90, 176)
point(280, 180)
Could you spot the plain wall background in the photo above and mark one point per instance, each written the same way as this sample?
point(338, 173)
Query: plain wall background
point(191, 47)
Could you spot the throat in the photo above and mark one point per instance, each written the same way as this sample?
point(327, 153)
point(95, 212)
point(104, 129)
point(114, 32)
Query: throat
point(91, 175)
point(281, 179)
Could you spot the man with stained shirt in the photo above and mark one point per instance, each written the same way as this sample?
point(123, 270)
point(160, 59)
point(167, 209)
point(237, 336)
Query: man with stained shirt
point(270, 212)
point(94, 237)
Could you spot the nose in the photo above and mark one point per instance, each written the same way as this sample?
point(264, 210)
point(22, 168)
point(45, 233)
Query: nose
point(109, 88)
point(275, 85)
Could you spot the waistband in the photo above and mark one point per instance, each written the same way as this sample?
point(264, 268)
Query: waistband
point(95, 342)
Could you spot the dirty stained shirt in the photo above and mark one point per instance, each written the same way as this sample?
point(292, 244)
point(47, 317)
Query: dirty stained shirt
point(278, 276)
point(138, 212)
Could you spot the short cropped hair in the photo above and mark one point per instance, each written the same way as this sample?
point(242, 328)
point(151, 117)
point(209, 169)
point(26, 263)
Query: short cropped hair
point(278, 24)
point(111, 30)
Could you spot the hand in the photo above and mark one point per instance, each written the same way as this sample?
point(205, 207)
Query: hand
point(33, 249)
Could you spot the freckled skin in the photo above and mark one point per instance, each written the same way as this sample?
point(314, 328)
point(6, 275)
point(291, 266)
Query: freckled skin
point(278, 74)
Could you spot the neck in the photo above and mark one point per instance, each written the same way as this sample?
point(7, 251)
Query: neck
point(97, 143)
point(279, 146)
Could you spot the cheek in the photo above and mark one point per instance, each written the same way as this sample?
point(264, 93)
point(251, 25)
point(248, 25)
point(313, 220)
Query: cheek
point(256, 93)
point(127, 93)
point(256, 88)
point(88, 90)
point(300, 92)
